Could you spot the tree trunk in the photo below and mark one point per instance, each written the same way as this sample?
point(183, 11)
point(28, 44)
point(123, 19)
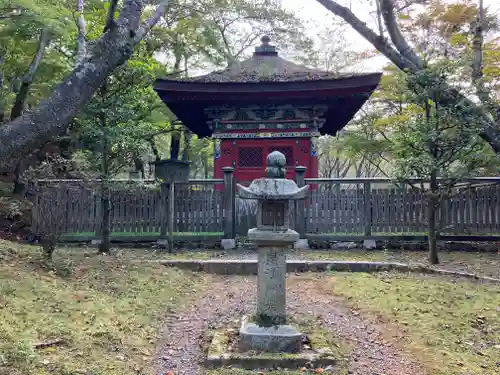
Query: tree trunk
point(48, 248)
point(139, 167)
point(155, 150)
point(175, 142)
point(2, 78)
point(433, 233)
point(187, 144)
point(105, 245)
point(19, 104)
point(19, 187)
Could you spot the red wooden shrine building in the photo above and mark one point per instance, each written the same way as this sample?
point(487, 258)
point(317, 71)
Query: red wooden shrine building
point(264, 104)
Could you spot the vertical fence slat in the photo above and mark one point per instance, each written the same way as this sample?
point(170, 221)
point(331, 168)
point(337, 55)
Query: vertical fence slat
point(171, 216)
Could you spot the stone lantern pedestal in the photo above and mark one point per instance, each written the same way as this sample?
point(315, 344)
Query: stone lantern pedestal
point(269, 331)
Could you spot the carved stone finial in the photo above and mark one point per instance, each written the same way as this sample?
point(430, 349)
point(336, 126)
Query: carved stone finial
point(275, 162)
point(265, 40)
point(265, 49)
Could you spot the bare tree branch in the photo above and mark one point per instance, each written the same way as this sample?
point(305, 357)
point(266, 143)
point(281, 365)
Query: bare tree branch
point(130, 16)
point(477, 61)
point(2, 76)
point(477, 44)
point(387, 8)
point(82, 32)
point(450, 96)
point(152, 21)
point(379, 19)
point(110, 17)
point(27, 79)
point(377, 41)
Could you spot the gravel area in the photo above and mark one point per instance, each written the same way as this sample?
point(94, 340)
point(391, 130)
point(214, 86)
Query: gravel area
point(181, 350)
point(372, 354)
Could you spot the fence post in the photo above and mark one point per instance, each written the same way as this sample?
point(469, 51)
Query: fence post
point(300, 223)
point(368, 208)
point(163, 212)
point(229, 241)
point(171, 217)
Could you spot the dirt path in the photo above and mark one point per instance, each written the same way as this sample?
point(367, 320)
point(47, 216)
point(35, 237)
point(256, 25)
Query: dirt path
point(371, 354)
point(226, 298)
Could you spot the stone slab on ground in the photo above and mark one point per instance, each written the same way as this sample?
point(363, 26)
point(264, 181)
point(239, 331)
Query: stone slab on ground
point(369, 244)
point(283, 338)
point(302, 244)
point(228, 243)
point(249, 267)
point(219, 355)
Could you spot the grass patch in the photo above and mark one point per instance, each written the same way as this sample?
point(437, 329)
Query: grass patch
point(105, 310)
point(452, 327)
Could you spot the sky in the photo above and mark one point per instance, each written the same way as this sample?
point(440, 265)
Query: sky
point(312, 10)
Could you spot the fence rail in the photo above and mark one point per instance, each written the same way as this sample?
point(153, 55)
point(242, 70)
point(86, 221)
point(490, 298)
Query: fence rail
point(335, 208)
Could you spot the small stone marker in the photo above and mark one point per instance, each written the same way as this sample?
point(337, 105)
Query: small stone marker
point(273, 237)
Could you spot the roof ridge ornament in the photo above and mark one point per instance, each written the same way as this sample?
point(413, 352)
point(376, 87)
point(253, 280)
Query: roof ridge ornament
point(265, 49)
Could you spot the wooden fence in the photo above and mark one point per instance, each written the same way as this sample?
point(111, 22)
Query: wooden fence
point(139, 211)
point(359, 208)
point(336, 209)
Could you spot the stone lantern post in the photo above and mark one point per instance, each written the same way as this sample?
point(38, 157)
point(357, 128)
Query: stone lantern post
point(275, 195)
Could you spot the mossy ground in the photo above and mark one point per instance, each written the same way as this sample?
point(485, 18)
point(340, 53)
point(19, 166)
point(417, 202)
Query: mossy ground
point(450, 326)
point(107, 310)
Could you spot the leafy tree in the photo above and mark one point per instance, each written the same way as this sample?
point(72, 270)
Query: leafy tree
point(432, 145)
point(122, 34)
point(398, 49)
point(114, 127)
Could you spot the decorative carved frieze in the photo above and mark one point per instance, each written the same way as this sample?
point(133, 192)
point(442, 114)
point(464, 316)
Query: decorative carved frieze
point(264, 113)
point(306, 134)
point(261, 126)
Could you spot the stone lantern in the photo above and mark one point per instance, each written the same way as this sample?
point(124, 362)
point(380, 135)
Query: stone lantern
point(269, 331)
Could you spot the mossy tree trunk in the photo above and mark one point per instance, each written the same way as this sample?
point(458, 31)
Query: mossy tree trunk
point(432, 231)
point(105, 244)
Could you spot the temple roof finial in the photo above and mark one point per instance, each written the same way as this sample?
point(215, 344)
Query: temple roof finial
point(265, 49)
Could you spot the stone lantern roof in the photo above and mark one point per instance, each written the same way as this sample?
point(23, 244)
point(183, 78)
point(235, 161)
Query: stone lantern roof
point(273, 189)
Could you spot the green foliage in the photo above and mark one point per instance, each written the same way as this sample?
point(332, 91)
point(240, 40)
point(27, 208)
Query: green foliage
point(121, 114)
point(219, 31)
